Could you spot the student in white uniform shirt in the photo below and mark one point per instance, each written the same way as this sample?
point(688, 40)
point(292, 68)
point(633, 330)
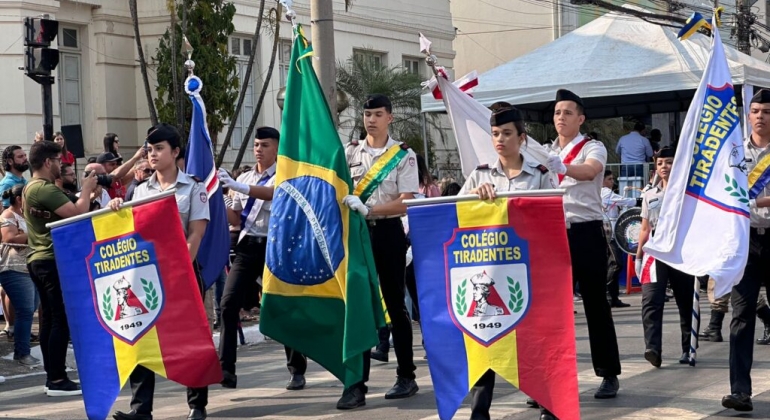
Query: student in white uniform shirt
point(511, 172)
point(580, 161)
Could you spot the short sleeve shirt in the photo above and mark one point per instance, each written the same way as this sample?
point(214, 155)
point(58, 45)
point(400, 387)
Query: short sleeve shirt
point(256, 224)
point(41, 200)
point(652, 202)
point(582, 199)
point(401, 180)
point(191, 197)
point(760, 217)
point(8, 181)
point(533, 176)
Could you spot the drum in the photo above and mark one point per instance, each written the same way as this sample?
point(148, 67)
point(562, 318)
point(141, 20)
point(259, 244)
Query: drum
point(627, 229)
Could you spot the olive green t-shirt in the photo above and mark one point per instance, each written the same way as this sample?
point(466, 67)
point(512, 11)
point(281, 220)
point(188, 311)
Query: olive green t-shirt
point(44, 197)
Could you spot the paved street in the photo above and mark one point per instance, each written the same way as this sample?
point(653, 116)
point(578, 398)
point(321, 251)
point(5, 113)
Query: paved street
point(671, 392)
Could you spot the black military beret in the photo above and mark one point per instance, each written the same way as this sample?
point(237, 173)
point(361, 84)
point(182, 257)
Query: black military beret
point(268, 133)
point(378, 101)
point(565, 95)
point(163, 132)
point(504, 116)
point(498, 105)
point(761, 97)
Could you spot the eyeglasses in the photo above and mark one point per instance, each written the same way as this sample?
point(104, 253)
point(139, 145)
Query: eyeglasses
point(148, 171)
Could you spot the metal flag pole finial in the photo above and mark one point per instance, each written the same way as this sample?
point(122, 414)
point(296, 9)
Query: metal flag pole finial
point(291, 15)
point(187, 49)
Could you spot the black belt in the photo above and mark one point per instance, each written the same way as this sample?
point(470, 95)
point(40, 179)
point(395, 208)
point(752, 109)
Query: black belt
point(759, 231)
point(256, 239)
point(391, 221)
point(591, 224)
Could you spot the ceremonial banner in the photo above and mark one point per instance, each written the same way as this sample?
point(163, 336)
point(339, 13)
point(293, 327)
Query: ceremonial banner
point(470, 122)
point(132, 299)
point(320, 292)
point(495, 289)
point(199, 159)
point(704, 220)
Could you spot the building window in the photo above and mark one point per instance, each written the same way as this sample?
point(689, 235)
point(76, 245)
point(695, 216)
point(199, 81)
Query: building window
point(284, 58)
point(240, 47)
point(69, 37)
point(412, 65)
point(373, 58)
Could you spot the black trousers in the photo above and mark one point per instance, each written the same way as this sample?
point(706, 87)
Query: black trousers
point(295, 361)
point(240, 287)
point(389, 248)
point(744, 298)
point(616, 261)
point(481, 396)
point(588, 251)
point(654, 298)
point(142, 380)
point(54, 330)
point(411, 287)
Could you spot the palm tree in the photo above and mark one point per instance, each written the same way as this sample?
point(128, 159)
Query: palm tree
point(142, 62)
point(359, 77)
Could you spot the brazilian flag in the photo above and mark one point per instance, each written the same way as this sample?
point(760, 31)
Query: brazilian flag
point(321, 295)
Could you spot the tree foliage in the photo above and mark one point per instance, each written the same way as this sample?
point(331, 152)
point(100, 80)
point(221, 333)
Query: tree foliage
point(209, 23)
point(359, 78)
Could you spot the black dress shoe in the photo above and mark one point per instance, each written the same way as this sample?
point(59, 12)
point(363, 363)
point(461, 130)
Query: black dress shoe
point(197, 414)
point(653, 356)
point(131, 415)
point(403, 388)
point(229, 380)
point(547, 415)
point(685, 359)
point(352, 397)
point(608, 388)
point(296, 383)
point(532, 403)
point(619, 304)
point(738, 402)
point(381, 356)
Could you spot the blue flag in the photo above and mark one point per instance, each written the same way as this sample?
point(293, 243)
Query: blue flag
point(199, 158)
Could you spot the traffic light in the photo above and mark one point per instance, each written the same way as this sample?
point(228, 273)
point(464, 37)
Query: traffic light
point(38, 35)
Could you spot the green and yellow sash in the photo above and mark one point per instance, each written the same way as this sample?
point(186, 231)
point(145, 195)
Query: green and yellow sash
point(379, 171)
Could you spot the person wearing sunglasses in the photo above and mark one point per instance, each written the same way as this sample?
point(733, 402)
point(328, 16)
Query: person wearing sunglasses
point(142, 172)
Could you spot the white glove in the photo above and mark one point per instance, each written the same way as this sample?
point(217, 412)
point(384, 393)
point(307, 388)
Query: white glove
point(753, 203)
point(554, 164)
point(232, 184)
point(638, 267)
point(409, 256)
point(355, 204)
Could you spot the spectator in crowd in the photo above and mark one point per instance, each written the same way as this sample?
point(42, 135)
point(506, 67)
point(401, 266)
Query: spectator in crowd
point(111, 144)
point(99, 197)
point(67, 182)
point(14, 276)
point(634, 150)
point(14, 163)
point(142, 172)
point(110, 161)
point(655, 137)
point(66, 156)
point(427, 187)
point(38, 136)
point(451, 189)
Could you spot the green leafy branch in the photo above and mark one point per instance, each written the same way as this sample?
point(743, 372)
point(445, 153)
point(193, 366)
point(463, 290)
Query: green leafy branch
point(151, 296)
point(516, 301)
point(736, 190)
point(107, 305)
point(460, 304)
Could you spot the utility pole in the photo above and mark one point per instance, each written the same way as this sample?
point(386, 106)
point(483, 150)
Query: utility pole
point(743, 20)
point(324, 59)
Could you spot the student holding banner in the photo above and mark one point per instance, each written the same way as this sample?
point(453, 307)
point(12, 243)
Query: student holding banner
point(580, 161)
point(745, 294)
point(164, 144)
point(385, 174)
point(511, 172)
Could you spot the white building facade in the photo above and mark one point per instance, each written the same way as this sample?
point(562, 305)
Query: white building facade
point(99, 84)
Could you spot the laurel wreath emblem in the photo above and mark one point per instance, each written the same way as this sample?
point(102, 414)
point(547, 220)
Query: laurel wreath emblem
point(460, 304)
point(735, 190)
point(151, 296)
point(516, 301)
point(107, 305)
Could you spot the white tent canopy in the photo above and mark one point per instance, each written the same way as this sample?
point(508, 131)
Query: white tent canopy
point(619, 64)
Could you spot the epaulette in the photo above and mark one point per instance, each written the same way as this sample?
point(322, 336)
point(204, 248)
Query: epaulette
point(542, 169)
point(404, 146)
point(484, 167)
point(196, 179)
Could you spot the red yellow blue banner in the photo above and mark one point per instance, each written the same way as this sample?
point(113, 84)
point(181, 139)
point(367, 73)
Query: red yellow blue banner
point(132, 299)
point(495, 291)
